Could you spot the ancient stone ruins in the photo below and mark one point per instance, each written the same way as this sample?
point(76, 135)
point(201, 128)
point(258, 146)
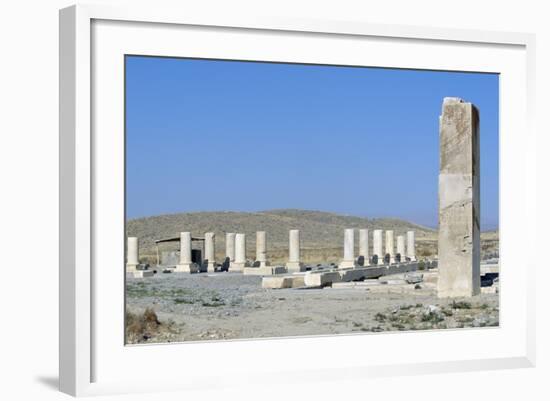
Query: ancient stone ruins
point(459, 241)
point(458, 263)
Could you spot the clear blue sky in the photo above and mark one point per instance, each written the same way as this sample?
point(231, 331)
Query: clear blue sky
point(206, 135)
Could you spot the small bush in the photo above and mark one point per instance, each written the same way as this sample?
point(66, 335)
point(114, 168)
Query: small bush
point(141, 327)
point(213, 302)
point(461, 305)
point(432, 317)
point(183, 301)
point(380, 317)
point(447, 312)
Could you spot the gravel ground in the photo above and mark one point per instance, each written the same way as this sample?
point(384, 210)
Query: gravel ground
point(219, 306)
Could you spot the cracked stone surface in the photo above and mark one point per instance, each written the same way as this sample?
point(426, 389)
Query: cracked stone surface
point(459, 194)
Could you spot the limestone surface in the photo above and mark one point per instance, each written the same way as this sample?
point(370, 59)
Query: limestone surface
point(186, 264)
point(459, 195)
point(261, 248)
point(349, 247)
point(133, 254)
point(377, 246)
point(210, 251)
point(390, 250)
point(230, 246)
point(294, 264)
point(240, 253)
point(364, 244)
point(411, 250)
point(401, 247)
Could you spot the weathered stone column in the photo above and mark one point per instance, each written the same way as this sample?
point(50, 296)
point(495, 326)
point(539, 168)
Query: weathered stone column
point(294, 264)
point(240, 253)
point(186, 264)
point(458, 239)
point(230, 246)
point(261, 248)
point(349, 245)
point(411, 250)
point(377, 246)
point(364, 245)
point(401, 247)
point(132, 259)
point(390, 245)
point(210, 251)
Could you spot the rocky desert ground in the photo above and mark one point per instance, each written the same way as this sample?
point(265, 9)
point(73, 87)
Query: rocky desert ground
point(224, 306)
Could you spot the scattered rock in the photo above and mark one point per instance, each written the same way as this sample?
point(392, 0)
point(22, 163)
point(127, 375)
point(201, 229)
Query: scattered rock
point(412, 278)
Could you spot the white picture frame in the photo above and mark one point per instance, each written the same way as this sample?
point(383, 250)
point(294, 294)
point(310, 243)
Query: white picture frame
point(93, 359)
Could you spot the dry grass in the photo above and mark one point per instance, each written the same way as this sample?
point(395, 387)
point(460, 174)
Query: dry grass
point(141, 328)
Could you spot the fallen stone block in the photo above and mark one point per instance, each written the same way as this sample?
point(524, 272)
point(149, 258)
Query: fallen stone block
point(402, 268)
point(293, 281)
point(140, 274)
point(264, 271)
point(356, 284)
point(392, 281)
point(277, 282)
point(362, 273)
point(413, 278)
point(298, 281)
point(314, 279)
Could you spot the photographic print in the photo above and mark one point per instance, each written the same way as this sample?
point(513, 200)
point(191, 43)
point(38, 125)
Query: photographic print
point(269, 200)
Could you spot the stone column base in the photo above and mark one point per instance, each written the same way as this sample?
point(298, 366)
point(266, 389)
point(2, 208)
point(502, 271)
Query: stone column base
point(295, 267)
point(131, 267)
point(457, 292)
point(187, 268)
point(211, 267)
point(236, 266)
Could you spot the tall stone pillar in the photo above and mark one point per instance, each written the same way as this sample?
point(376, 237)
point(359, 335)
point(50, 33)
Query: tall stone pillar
point(377, 246)
point(401, 247)
point(458, 238)
point(210, 251)
point(240, 253)
point(411, 250)
point(349, 245)
point(261, 248)
point(230, 246)
point(390, 245)
point(186, 264)
point(132, 259)
point(294, 264)
point(364, 245)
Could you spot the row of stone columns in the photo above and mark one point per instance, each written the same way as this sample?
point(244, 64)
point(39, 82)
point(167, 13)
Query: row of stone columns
point(235, 250)
point(349, 246)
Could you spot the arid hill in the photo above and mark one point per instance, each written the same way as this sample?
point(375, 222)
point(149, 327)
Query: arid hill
point(322, 233)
